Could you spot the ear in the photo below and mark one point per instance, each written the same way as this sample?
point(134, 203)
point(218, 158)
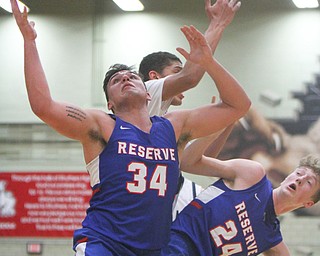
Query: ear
point(308, 204)
point(154, 75)
point(110, 106)
point(148, 97)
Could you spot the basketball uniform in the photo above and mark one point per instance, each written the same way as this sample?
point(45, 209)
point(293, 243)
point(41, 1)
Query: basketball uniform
point(188, 189)
point(221, 221)
point(156, 106)
point(134, 181)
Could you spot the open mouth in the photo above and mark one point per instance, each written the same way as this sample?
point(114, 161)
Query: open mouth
point(293, 186)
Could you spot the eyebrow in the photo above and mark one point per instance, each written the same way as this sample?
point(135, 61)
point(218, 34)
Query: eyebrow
point(313, 176)
point(119, 73)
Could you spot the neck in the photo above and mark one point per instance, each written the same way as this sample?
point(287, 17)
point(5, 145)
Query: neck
point(281, 204)
point(139, 118)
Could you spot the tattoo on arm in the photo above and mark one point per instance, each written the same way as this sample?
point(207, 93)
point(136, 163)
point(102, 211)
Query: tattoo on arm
point(75, 113)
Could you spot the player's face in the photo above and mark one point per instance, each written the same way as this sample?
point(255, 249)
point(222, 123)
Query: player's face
point(124, 83)
point(301, 185)
point(174, 68)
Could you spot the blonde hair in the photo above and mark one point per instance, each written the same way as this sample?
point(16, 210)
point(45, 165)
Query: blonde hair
point(313, 162)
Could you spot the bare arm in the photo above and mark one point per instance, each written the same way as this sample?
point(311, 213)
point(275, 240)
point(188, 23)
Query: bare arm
point(67, 119)
point(217, 140)
point(279, 250)
point(216, 146)
point(234, 102)
point(220, 15)
point(240, 173)
point(212, 118)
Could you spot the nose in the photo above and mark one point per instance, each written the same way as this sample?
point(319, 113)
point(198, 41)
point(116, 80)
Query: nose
point(300, 179)
point(125, 78)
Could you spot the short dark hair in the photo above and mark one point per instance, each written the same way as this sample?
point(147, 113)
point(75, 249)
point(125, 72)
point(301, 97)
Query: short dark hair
point(156, 61)
point(112, 70)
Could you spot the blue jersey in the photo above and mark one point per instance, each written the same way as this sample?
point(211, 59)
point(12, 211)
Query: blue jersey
point(134, 183)
point(221, 221)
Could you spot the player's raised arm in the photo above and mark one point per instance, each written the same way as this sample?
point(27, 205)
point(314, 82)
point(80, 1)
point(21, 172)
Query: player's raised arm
point(220, 15)
point(66, 118)
point(234, 102)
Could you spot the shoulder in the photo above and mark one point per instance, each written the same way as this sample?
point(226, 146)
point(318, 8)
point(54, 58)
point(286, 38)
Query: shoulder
point(177, 117)
point(163, 121)
point(155, 84)
point(99, 113)
point(246, 173)
point(105, 122)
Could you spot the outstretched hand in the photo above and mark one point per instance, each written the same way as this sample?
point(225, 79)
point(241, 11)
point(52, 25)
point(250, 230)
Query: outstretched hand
point(200, 52)
point(222, 11)
point(27, 28)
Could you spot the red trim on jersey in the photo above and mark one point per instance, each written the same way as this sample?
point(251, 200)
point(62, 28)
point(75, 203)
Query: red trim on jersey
point(196, 204)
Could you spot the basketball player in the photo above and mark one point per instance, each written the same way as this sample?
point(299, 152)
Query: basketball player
point(132, 159)
point(166, 80)
point(237, 215)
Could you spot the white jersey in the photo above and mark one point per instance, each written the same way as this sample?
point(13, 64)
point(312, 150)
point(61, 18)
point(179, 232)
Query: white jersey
point(187, 193)
point(156, 106)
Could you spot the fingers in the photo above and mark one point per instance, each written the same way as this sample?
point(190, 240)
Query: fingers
point(207, 5)
point(187, 33)
point(183, 52)
point(193, 35)
point(19, 17)
point(15, 8)
point(198, 37)
point(25, 12)
point(235, 5)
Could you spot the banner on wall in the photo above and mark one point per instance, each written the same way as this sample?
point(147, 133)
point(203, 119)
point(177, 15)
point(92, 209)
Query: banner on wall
point(43, 204)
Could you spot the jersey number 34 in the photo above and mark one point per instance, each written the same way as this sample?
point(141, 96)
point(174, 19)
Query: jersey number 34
point(139, 184)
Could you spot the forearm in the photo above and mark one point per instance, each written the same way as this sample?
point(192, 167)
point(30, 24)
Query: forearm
point(192, 73)
point(230, 90)
point(216, 146)
point(213, 35)
point(194, 151)
point(36, 83)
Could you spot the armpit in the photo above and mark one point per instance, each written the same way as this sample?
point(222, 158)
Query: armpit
point(97, 137)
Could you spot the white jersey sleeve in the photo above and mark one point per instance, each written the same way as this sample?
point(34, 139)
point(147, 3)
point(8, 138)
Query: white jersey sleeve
point(156, 106)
